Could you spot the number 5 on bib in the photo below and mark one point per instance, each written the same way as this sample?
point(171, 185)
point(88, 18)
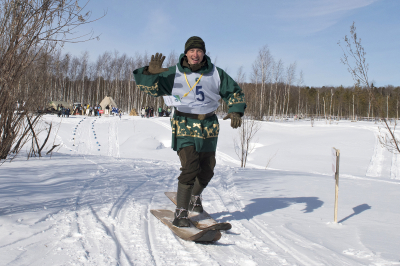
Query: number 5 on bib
point(200, 94)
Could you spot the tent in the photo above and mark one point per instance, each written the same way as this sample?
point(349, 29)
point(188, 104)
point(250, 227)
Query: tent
point(54, 104)
point(107, 101)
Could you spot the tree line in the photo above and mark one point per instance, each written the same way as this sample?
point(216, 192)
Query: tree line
point(274, 91)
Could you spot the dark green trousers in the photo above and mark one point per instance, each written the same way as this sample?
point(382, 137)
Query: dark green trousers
point(196, 164)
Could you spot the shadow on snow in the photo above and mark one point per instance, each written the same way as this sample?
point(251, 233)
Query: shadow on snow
point(357, 210)
point(264, 205)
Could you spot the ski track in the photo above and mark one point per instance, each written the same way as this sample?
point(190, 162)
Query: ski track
point(108, 222)
point(375, 165)
point(167, 126)
point(115, 222)
point(209, 256)
point(243, 237)
point(395, 166)
point(378, 158)
point(278, 246)
point(225, 157)
point(245, 252)
point(151, 237)
point(113, 143)
point(107, 231)
point(248, 235)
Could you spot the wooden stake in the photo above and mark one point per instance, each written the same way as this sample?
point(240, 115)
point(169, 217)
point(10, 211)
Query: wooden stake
point(337, 184)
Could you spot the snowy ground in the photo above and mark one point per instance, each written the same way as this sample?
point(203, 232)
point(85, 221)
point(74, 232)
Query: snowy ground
point(89, 203)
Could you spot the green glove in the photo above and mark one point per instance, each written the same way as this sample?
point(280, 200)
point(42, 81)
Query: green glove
point(236, 120)
point(155, 65)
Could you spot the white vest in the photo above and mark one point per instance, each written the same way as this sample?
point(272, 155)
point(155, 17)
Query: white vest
point(203, 98)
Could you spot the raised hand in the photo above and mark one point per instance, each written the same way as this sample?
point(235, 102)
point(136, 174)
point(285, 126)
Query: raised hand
point(155, 65)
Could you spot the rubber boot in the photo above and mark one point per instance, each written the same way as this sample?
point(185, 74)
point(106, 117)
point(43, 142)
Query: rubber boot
point(195, 199)
point(182, 201)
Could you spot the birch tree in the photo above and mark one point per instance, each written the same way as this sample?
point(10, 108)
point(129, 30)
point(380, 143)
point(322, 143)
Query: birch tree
point(290, 77)
point(277, 71)
point(263, 64)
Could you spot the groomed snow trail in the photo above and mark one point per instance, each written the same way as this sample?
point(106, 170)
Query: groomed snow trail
point(91, 207)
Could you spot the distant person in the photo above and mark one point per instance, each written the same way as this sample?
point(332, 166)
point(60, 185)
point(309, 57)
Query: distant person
point(143, 112)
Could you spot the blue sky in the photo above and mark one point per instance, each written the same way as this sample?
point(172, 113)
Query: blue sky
point(301, 31)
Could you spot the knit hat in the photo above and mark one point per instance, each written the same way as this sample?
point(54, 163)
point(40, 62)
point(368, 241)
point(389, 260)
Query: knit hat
point(195, 42)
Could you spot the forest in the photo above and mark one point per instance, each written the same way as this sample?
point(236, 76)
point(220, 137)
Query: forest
point(272, 90)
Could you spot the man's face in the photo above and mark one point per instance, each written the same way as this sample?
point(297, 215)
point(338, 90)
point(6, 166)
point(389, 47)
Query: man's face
point(195, 56)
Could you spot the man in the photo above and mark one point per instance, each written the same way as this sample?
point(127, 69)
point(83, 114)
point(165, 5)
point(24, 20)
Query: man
point(199, 84)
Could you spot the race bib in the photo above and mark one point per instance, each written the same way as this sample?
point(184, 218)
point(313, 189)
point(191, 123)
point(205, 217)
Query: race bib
point(173, 100)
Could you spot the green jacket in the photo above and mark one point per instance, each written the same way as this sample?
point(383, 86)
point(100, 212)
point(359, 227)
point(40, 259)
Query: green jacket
point(186, 131)
point(162, 84)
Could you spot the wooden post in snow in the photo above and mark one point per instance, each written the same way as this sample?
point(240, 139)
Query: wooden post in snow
point(335, 169)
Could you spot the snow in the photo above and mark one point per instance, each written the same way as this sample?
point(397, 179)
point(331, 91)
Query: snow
point(89, 203)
